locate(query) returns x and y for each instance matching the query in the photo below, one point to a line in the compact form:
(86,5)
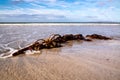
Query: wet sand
(97,60)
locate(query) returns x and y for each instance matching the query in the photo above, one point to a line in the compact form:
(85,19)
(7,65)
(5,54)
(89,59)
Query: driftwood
(56,40)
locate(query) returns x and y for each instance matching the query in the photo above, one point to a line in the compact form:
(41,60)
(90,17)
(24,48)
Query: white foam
(48,24)
(2,56)
(10,53)
(31,52)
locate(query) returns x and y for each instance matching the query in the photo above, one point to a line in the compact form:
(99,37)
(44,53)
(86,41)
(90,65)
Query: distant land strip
(60,23)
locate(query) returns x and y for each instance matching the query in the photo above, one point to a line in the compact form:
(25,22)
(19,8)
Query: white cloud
(52,1)
(95,14)
(110,13)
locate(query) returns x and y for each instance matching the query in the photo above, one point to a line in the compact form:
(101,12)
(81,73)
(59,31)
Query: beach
(76,60)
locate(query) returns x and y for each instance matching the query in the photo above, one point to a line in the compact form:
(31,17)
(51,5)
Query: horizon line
(60,22)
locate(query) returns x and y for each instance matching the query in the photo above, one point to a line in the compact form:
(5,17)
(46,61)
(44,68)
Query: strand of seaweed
(54,41)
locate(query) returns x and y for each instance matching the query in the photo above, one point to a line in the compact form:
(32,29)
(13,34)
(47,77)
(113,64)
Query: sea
(14,36)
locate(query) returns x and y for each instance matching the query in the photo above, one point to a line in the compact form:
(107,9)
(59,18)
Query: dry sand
(78,61)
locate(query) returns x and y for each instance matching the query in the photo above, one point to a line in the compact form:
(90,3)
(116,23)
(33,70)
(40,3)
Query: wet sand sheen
(78,61)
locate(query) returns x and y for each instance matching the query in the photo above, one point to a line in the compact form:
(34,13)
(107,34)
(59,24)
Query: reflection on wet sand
(75,61)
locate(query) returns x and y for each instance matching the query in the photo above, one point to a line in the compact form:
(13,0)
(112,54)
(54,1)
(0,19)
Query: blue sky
(59,10)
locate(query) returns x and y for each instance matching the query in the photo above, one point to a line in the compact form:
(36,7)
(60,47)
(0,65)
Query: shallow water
(16,36)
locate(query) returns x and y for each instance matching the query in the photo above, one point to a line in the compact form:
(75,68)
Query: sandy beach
(75,61)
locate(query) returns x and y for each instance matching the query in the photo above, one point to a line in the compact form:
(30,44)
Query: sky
(59,10)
